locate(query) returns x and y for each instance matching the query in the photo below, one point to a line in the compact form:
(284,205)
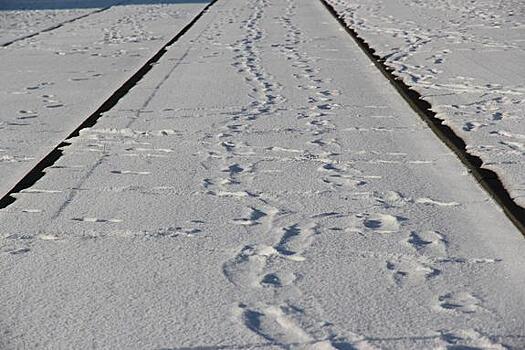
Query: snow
(263,186)
(15,25)
(58,78)
(465,58)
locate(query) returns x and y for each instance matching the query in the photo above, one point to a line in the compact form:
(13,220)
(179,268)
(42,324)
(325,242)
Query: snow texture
(17,24)
(55,80)
(466,59)
(263,187)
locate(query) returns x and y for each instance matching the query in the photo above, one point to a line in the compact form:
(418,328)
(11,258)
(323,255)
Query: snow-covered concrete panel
(53,81)
(466,59)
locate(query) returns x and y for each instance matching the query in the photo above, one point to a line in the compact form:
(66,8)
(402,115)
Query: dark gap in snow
(34,175)
(488,179)
(52,157)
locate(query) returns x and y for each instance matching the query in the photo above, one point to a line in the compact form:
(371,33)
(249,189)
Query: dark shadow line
(56,26)
(487,178)
(38,171)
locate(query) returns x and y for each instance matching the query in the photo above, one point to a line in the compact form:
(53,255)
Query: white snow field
(467,59)
(262,187)
(55,80)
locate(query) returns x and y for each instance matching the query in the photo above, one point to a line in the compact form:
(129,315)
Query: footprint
(27,114)
(327,106)
(275,280)
(142,149)
(329,92)
(329,167)
(318,123)
(13,159)
(228,145)
(246,267)
(96,220)
(284,149)
(429,201)
(130,172)
(296,240)
(39,86)
(32,211)
(234,169)
(253,218)
(428,242)
(48,237)
(282,325)
(459,302)
(17,124)
(507,134)
(473,126)
(233,194)
(392,199)
(497,116)
(405,270)
(173,231)
(27,117)
(467,339)
(18,251)
(338,181)
(517,147)
(272,280)
(383,223)
(276,324)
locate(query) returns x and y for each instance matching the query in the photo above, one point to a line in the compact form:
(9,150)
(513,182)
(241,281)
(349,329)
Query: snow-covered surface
(262,187)
(55,80)
(19,24)
(466,58)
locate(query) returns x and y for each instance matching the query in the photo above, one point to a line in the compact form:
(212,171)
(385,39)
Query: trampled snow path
(465,58)
(55,80)
(262,187)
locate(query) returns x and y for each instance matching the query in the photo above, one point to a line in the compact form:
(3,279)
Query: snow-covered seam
(38,171)
(488,179)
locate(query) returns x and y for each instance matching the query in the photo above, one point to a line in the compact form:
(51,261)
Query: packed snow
(262,187)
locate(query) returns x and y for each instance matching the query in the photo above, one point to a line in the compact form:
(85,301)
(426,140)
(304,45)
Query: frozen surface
(55,80)
(466,58)
(263,187)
